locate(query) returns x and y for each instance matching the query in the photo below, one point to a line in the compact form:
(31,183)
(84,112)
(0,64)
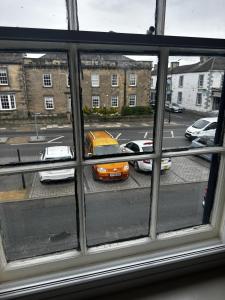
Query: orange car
(102,143)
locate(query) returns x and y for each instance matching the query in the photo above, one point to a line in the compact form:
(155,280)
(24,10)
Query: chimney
(174,64)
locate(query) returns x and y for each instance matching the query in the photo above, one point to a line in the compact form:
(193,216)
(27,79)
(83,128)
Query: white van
(200,126)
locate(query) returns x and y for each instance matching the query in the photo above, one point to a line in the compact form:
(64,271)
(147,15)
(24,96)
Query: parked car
(102,143)
(173,107)
(56,153)
(144,146)
(201,125)
(201,142)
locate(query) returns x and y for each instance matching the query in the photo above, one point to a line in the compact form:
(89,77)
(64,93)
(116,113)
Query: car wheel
(136,166)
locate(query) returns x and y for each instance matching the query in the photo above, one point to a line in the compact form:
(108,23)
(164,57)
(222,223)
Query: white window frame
(179,97)
(181,81)
(11,99)
(114,101)
(201,80)
(114,80)
(47,80)
(68,80)
(119,257)
(4,76)
(49,101)
(132,79)
(197,99)
(94,99)
(95,80)
(132,98)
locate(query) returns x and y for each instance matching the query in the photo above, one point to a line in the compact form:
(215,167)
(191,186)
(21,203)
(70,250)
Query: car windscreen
(174,104)
(106,150)
(200,124)
(58,158)
(147,149)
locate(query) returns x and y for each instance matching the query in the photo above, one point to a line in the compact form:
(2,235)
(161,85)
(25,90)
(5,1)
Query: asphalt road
(43,226)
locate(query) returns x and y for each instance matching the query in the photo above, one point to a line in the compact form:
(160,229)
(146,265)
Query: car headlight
(101,170)
(126,168)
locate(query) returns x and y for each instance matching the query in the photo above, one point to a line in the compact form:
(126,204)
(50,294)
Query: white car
(144,146)
(201,125)
(56,153)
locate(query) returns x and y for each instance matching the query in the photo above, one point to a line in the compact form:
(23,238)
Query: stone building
(41,85)
(13,100)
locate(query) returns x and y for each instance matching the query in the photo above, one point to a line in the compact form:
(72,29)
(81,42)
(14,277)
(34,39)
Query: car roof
(142,143)
(210,119)
(57,151)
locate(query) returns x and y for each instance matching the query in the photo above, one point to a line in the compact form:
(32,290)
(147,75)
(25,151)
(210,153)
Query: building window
(132,79)
(199,99)
(3,76)
(95,101)
(47,80)
(49,103)
(7,102)
(114,80)
(95,80)
(200,81)
(181,81)
(114,101)
(132,100)
(68,80)
(179,97)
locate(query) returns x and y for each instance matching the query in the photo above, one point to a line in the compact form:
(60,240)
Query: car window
(135,148)
(129,145)
(211,126)
(200,124)
(107,149)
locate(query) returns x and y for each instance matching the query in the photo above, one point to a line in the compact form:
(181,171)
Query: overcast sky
(204,18)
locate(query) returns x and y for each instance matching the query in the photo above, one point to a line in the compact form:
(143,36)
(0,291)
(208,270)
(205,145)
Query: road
(43,226)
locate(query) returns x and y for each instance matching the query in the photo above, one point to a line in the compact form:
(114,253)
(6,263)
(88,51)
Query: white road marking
(172,134)
(146,133)
(59,137)
(118,135)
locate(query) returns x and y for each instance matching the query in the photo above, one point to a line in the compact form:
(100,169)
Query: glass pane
(117,16)
(35,107)
(38,218)
(118,108)
(182,193)
(194,86)
(195,18)
(116,209)
(34,14)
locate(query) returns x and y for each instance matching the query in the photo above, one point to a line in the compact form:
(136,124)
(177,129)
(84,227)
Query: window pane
(35,14)
(182,193)
(35,113)
(197,99)
(195,18)
(98,15)
(116,209)
(37,218)
(122,112)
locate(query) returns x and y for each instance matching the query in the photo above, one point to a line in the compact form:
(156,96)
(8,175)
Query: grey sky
(183,17)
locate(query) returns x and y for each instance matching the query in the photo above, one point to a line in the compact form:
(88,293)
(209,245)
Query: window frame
(49,79)
(204,240)
(201,81)
(113,79)
(181,81)
(135,100)
(197,99)
(117,101)
(95,82)
(51,99)
(179,99)
(6,76)
(95,98)
(9,101)
(132,81)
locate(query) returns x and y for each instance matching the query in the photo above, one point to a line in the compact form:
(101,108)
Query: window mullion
(78,136)
(161,96)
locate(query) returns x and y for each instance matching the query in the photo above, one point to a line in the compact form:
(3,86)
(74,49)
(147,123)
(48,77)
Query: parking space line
(57,138)
(172,134)
(118,135)
(146,133)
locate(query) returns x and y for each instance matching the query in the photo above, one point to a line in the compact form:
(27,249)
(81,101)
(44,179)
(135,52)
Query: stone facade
(26,81)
